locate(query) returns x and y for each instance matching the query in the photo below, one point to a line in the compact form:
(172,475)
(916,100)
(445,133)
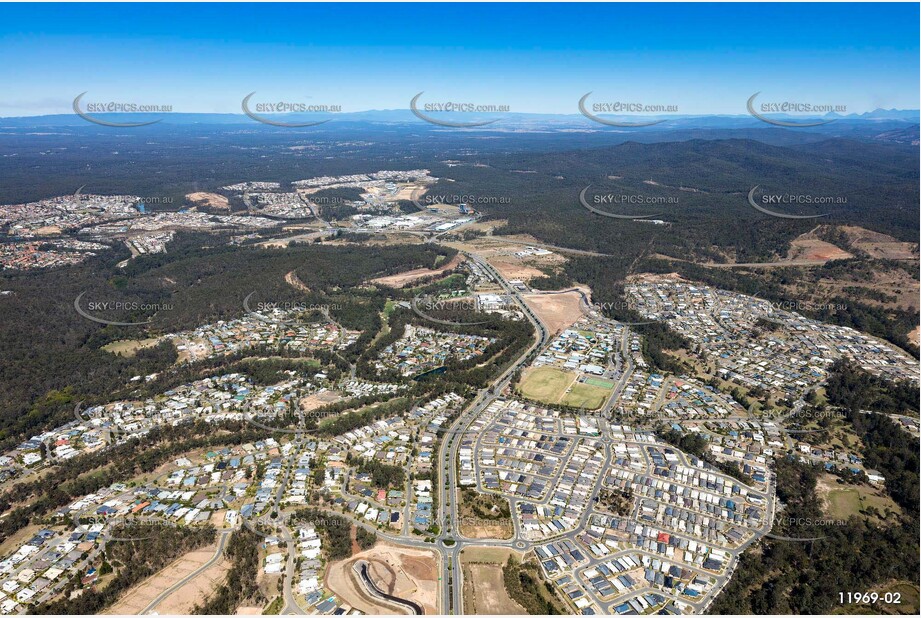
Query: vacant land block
(484,588)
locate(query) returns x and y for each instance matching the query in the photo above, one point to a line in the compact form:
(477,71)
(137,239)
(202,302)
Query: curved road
(222,541)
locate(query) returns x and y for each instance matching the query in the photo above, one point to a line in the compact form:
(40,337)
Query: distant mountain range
(884,119)
(882,114)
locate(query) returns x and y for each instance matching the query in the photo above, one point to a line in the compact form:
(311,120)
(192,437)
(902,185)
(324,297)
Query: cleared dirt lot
(808,248)
(501,255)
(400,571)
(19,537)
(473,528)
(484,590)
(557,311)
(130,347)
(318,400)
(880,245)
(411,191)
(402,279)
(294,281)
(888,286)
(498,244)
(805,250)
(488,595)
(500,252)
(211,200)
(515,269)
(183,599)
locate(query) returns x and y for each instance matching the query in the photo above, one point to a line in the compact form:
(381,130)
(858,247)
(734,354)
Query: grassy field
(586,396)
(843,501)
(545,384)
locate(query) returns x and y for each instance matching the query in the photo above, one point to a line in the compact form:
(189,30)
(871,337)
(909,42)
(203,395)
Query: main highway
(449,539)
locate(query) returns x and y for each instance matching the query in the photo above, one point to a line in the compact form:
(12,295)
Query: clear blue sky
(704,58)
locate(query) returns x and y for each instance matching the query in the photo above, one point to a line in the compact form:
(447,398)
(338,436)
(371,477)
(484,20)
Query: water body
(431,372)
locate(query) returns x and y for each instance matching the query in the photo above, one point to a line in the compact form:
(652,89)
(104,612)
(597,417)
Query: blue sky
(704,58)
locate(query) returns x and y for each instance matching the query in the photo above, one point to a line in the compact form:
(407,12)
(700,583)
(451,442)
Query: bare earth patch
(402,279)
(308,237)
(409,191)
(182,600)
(486,227)
(486,246)
(130,347)
(294,281)
(48,230)
(813,249)
(880,245)
(805,250)
(484,588)
(557,311)
(211,200)
(499,529)
(489,595)
(500,252)
(318,400)
(400,571)
(513,269)
(18,538)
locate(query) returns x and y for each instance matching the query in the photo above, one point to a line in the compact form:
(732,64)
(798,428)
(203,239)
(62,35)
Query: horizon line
(576,114)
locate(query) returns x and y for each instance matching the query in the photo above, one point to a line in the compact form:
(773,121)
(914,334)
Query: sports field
(551,385)
(586,396)
(546,384)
